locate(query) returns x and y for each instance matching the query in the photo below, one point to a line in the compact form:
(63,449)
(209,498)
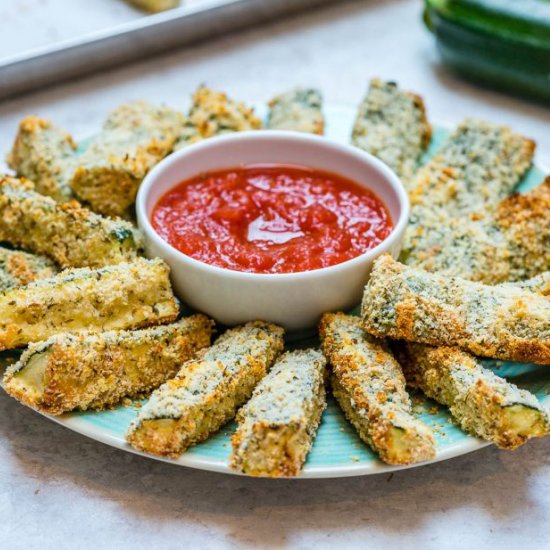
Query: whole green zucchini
(505,43)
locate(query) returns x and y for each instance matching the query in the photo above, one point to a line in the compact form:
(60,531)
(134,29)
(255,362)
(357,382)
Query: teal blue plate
(337,451)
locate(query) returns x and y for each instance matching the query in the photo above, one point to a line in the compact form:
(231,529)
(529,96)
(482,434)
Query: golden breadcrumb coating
(134,138)
(391,124)
(93,371)
(278,424)
(45,154)
(369,386)
(213,113)
(70,235)
(207,391)
(123,296)
(21,268)
(506,323)
(483,403)
(298,110)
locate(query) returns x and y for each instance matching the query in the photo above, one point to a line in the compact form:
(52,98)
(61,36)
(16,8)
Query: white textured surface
(59,490)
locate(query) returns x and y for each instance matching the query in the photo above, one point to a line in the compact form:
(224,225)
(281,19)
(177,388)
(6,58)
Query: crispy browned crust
(479,400)
(44,154)
(524,219)
(21,268)
(213,113)
(69,234)
(95,371)
(207,391)
(134,137)
(224,401)
(406,303)
(369,386)
(392,125)
(277,425)
(124,296)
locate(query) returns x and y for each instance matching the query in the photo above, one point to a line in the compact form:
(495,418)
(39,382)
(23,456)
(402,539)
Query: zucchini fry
(213,113)
(20,268)
(298,110)
(483,403)
(369,385)
(493,321)
(278,424)
(460,221)
(134,138)
(478,165)
(207,391)
(45,154)
(67,233)
(391,124)
(123,296)
(524,220)
(510,244)
(93,371)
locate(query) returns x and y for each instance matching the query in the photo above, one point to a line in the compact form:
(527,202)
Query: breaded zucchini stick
(134,138)
(122,296)
(69,234)
(478,165)
(20,268)
(458,223)
(278,424)
(391,124)
(207,391)
(298,110)
(510,244)
(368,384)
(524,220)
(483,403)
(492,321)
(45,154)
(93,371)
(213,113)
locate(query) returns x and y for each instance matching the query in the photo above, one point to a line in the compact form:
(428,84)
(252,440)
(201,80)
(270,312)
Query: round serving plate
(337,451)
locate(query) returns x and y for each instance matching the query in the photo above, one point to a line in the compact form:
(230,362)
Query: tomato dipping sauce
(271,218)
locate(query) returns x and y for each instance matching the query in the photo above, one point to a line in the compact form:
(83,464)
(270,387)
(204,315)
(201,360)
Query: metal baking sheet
(138,39)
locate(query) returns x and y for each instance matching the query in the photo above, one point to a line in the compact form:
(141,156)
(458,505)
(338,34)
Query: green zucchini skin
(487,54)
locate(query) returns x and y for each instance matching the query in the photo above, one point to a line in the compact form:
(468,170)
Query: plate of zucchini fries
(446,353)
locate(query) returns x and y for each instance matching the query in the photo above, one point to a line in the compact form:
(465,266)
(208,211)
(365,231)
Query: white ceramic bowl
(294,300)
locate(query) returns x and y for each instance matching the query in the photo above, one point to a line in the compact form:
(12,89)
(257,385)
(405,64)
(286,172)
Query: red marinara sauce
(271,218)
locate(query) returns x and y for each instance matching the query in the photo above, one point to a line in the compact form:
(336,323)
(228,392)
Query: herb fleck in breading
(213,113)
(458,223)
(483,403)
(134,138)
(478,165)
(21,268)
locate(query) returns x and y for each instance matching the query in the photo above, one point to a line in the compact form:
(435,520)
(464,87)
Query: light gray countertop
(60,490)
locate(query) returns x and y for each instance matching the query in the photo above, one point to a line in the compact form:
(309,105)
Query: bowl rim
(144,222)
